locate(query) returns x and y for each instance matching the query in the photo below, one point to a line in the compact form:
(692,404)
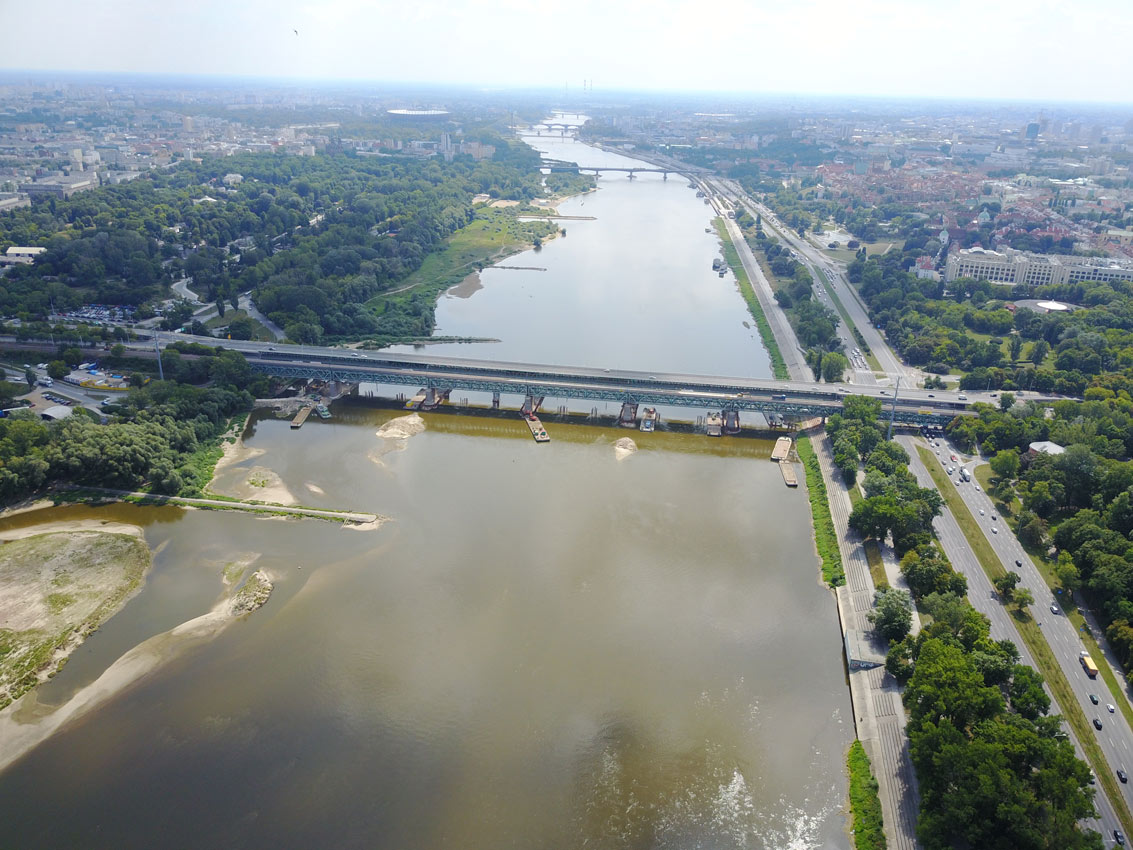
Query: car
(930,395)
(962,397)
(981,511)
(1097,723)
(1109,707)
(977,486)
(1018,563)
(994,517)
(1119,837)
(1093,780)
(953,458)
(355,354)
(950,470)
(271,348)
(994,530)
(1122,775)
(1054,610)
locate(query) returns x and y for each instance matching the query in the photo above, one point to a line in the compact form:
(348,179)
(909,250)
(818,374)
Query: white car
(1110,708)
(950,470)
(981,511)
(977,486)
(994,530)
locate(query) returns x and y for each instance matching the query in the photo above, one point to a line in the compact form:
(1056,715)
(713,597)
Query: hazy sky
(1037,49)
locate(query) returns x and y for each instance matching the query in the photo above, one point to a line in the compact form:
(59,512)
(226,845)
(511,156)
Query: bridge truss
(702,398)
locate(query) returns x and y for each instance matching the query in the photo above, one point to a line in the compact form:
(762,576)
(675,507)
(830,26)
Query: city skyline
(884,49)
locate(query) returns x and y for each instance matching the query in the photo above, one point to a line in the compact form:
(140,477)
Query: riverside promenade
(879,716)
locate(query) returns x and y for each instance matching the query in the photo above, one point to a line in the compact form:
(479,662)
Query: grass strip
(825,537)
(1036,642)
(864,802)
(732,257)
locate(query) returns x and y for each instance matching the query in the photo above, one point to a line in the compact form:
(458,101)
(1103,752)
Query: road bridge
(796,400)
(555,165)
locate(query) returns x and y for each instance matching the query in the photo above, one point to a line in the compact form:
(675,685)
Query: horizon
(886,49)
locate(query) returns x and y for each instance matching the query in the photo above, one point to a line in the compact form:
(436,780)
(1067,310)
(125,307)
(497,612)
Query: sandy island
(25,723)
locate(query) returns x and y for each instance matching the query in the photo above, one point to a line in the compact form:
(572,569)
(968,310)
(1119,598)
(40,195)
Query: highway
(832,271)
(1115,736)
(379,365)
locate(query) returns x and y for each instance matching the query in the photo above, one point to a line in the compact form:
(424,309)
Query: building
(13,201)
(60,187)
(1045,447)
(1015,267)
(20,256)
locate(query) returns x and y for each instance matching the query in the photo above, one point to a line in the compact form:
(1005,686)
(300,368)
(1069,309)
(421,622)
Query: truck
(1088,665)
(965,474)
(46,382)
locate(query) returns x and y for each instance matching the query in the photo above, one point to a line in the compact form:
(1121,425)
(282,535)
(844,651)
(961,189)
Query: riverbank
(25,723)
(766,335)
(493,235)
(59,582)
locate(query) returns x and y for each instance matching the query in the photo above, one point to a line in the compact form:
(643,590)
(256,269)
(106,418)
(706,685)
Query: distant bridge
(555,165)
(794,400)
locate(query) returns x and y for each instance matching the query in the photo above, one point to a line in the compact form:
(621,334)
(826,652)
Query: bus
(1089,666)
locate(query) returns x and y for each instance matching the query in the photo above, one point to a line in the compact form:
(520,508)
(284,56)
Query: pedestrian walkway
(879,716)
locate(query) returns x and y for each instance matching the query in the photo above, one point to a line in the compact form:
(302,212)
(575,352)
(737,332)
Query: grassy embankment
(492,235)
(732,257)
(825,537)
(58,589)
(1035,640)
(1068,602)
(864,802)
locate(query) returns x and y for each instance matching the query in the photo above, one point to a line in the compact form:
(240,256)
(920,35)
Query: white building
(1014,267)
(17,255)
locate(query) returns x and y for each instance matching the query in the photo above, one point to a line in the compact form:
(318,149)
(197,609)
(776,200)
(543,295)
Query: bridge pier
(495,401)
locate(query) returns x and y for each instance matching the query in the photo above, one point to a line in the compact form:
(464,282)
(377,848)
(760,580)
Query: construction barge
(782,449)
(301,416)
(537,430)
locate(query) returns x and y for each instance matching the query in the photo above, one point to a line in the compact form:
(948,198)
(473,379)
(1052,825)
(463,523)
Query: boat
(323,411)
(648,419)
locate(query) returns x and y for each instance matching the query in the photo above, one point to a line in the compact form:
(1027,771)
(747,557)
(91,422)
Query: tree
(1006,584)
(1015,347)
(833,366)
(1005,464)
(1039,351)
(1006,401)
(29,377)
(892,614)
(57,370)
(1023,598)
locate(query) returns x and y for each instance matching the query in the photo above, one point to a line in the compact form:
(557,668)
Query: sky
(1047,50)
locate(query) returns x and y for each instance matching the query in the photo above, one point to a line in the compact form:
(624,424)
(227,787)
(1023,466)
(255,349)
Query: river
(546,646)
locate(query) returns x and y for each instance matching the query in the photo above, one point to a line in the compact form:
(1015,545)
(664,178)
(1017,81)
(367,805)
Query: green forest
(312,238)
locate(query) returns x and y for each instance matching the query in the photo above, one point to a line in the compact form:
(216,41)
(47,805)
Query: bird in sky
(296,32)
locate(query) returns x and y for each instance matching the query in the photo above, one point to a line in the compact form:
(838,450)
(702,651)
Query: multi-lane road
(1115,737)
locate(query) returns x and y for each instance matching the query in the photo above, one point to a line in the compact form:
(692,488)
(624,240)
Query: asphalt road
(984,599)
(1115,737)
(833,271)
